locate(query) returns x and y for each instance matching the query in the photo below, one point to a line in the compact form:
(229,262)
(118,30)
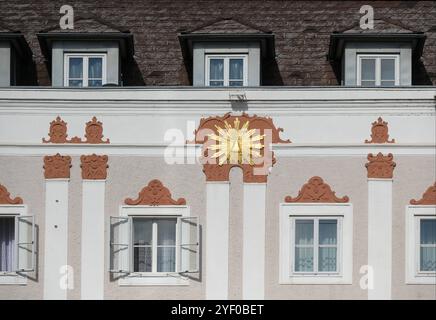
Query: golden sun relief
(234,145)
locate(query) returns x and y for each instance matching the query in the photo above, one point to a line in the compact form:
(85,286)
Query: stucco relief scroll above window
(5,197)
(428,198)
(154,194)
(316,190)
(237,141)
(380,132)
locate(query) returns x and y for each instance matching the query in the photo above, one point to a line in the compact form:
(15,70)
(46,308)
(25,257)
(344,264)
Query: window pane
(304,259)
(95,68)
(236,83)
(387,69)
(368,69)
(75,83)
(166,259)
(76,68)
(142,231)
(236,69)
(328,231)
(94,83)
(216,83)
(7,243)
(428,231)
(216,71)
(388,83)
(142,259)
(166,232)
(367,83)
(303,232)
(428,259)
(327,259)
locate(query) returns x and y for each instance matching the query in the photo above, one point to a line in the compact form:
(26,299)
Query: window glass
(142,244)
(304,245)
(428,244)
(75,72)
(216,72)
(328,231)
(327,241)
(387,72)
(368,72)
(236,72)
(7,243)
(95,72)
(166,252)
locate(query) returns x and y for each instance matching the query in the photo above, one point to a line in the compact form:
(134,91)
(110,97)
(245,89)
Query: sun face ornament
(235,145)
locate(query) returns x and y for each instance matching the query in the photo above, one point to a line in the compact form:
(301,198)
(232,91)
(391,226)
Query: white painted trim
(154,279)
(85,63)
(345,247)
(217,240)
(412,236)
(380,237)
(56,238)
(13,278)
(253,258)
(93,240)
(226,68)
(377,57)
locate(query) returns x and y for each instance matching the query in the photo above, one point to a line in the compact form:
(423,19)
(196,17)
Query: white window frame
(158,278)
(13,277)
(85,57)
(378,58)
(344,214)
(414,213)
(226,57)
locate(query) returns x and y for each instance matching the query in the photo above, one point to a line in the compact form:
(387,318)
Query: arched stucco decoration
(154,194)
(428,198)
(5,197)
(316,190)
(236,131)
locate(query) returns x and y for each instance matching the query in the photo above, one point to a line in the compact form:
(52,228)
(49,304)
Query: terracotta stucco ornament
(154,194)
(94,132)
(5,197)
(428,198)
(94,167)
(57,166)
(380,166)
(226,140)
(58,133)
(380,132)
(316,190)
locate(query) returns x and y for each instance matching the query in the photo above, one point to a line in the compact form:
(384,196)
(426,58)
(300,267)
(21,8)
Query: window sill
(12,278)
(320,279)
(422,279)
(153,280)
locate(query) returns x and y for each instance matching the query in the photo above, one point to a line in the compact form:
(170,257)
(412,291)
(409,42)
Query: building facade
(217,150)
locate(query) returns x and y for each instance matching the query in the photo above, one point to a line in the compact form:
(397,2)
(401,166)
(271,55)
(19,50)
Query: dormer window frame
(85,68)
(377,72)
(226,68)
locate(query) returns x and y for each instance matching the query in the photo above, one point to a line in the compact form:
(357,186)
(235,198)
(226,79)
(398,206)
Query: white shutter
(25,243)
(189,245)
(120,245)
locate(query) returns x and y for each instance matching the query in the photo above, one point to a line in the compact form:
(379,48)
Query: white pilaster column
(253,258)
(56,239)
(380,237)
(217,240)
(93,246)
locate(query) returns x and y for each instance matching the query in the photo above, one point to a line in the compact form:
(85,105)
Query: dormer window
(84,70)
(227,71)
(378,70)
(226,53)
(375,58)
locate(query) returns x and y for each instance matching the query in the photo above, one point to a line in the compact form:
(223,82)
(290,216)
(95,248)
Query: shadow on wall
(132,75)
(420,75)
(271,74)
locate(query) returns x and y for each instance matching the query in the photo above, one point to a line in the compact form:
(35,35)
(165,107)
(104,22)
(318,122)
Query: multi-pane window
(378,70)
(315,245)
(427,245)
(7,244)
(85,70)
(154,244)
(226,71)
